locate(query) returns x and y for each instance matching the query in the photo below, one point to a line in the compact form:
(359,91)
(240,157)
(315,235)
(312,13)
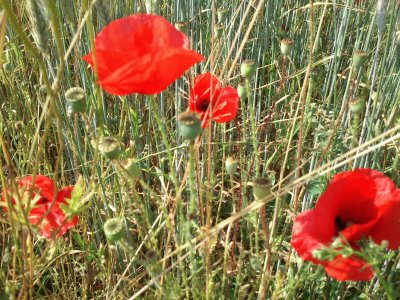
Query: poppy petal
(226,106)
(141,54)
(42,184)
(351,268)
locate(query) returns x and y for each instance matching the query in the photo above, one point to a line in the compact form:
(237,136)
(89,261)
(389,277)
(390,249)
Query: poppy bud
(76,100)
(131,168)
(359,58)
(221,15)
(218,30)
(189,125)
(261,188)
(356,105)
(109,148)
(242,91)
(286,46)
(182,27)
(231,165)
(248,68)
(114,229)
(153,6)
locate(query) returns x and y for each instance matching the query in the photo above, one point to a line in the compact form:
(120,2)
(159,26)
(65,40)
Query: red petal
(141,54)
(388,227)
(312,231)
(42,183)
(351,268)
(226,106)
(359,197)
(203,85)
(64,193)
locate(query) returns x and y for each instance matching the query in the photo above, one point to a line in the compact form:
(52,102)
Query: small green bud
(231,165)
(189,125)
(182,27)
(359,58)
(242,91)
(218,30)
(221,15)
(286,46)
(109,147)
(356,105)
(248,68)
(261,188)
(114,229)
(76,100)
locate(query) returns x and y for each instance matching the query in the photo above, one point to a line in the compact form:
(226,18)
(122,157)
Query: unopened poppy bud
(109,147)
(231,165)
(261,188)
(286,46)
(356,105)
(221,15)
(189,125)
(182,27)
(131,168)
(248,68)
(76,100)
(359,58)
(242,91)
(114,229)
(218,30)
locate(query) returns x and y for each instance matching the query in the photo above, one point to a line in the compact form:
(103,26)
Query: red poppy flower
(42,190)
(141,54)
(225,100)
(356,204)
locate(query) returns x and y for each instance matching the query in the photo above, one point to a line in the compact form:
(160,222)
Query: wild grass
(193,231)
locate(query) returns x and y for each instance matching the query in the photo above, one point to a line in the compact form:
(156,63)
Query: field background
(295,129)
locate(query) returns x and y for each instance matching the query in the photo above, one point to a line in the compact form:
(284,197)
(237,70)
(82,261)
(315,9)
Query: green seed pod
(76,100)
(242,91)
(109,147)
(359,58)
(182,27)
(218,30)
(189,125)
(131,168)
(114,229)
(356,105)
(248,68)
(221,15)
(286,46)
(261,188)
(231,165)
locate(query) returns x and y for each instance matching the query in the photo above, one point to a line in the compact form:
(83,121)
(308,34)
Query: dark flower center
(341,224)
(202,104)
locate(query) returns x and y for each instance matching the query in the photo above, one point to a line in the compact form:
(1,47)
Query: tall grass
(202,236)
